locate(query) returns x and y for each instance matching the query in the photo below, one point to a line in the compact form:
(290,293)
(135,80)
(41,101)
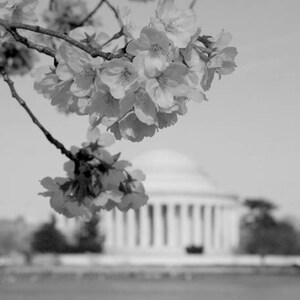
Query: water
(206,287)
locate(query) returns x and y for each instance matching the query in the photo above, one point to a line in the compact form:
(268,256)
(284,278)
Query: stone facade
(186,209)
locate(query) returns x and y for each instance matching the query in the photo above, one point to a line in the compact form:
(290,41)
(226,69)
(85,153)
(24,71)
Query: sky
(246,136)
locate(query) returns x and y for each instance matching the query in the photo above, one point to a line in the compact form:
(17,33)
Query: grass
(206,287)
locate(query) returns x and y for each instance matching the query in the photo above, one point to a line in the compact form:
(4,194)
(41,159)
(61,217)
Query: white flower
(135,199)
(130,30)
(143,106)
(119,75)
(169,83)
(131,128)
(179,25)
(221,60)
(103,107)
(80,68)
(105,197)
(223,56)
(152,46)
(88,35)
(56,194)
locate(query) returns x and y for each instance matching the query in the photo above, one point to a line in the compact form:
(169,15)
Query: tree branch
(192,5)
(21,39)
(114,37)
(91,13)
(91,50)
(34,119)
(115,11)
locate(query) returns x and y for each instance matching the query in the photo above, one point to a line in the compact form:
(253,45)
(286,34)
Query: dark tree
(263,234)
(88,237)
(48,239)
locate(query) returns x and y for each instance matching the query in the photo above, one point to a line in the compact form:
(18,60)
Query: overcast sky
(246,137)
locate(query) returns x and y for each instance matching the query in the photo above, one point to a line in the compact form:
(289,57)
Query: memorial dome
(168,171)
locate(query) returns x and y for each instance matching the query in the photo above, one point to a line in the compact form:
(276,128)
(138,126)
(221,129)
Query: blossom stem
(90,50)
(192,5)
(121,118)
(34,119)
(90,14)
(114,37)
(115,11)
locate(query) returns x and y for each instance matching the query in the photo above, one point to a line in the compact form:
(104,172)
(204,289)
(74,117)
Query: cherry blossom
(78,67)
(223,56)
(132,129)
(97,180)
(119,75)
(169,83)
(179,25)
(90,36)
(152,47)
(104,108)
(132,86)
(143,106)
(129,28)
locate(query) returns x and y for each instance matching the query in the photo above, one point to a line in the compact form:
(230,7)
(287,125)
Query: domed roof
(168,171)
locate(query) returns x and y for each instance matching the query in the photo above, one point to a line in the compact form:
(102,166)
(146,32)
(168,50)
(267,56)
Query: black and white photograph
(149,149)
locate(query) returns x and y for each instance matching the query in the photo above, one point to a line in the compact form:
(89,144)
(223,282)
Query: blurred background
(246,138)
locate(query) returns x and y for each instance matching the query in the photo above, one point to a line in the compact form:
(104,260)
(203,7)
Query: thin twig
(91,50)
(114,37)
(29,44)
(34,119)
(91,13)
(51,3)
(115,11)
(121,118)
(192,5)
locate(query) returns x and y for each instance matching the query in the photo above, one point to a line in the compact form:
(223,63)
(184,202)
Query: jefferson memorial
(186,209)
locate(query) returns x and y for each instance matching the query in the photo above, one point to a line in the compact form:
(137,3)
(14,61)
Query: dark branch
(114,37)
(21,39)
(192,5)
(34,119)
(91,50)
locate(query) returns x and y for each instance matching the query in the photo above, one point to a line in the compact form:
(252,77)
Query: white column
(207,228)
(119,228)
(225,229)
(109,229)
(235,227)
(131,228)
(171,226)
(217,227)
(144,227)
(184,220)
(197,230)
(229,227)
(158,225)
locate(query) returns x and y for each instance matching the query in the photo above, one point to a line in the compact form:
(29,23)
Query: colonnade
(161,227)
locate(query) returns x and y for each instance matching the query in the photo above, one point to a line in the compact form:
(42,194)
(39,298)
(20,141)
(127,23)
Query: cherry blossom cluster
(133,84)
(95,180)
(146,89)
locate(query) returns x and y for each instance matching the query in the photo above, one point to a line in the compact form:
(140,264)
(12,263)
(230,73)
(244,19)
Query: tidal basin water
(206,287)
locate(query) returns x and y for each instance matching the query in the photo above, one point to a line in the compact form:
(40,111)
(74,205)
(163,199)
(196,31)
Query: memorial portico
(185,208)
